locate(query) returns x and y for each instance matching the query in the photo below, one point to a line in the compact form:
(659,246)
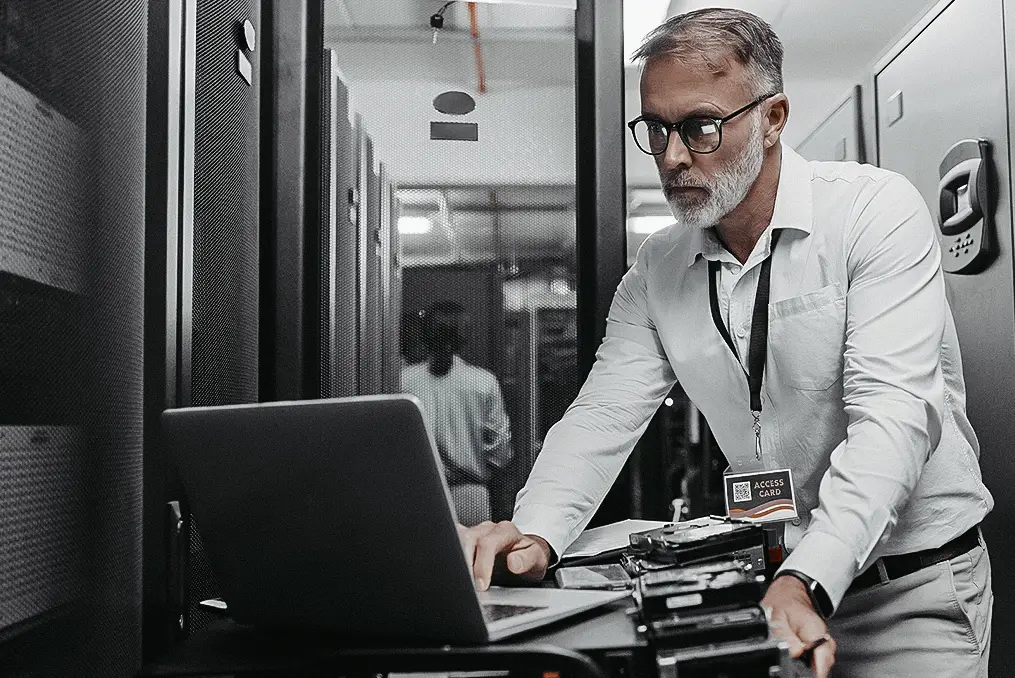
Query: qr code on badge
(742,491)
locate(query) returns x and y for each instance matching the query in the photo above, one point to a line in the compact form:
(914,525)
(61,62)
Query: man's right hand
(526,555)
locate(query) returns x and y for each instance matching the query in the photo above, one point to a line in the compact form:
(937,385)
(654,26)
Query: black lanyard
(758,349)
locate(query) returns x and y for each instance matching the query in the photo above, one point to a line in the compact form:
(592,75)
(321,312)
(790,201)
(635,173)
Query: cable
(437,19)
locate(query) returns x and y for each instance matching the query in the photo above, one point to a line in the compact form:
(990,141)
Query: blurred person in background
(465,410)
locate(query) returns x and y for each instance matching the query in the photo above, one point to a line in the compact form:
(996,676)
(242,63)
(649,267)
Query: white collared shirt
(466,414)
(863,397)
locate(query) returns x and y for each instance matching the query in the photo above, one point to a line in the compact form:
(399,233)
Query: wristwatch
(819,598)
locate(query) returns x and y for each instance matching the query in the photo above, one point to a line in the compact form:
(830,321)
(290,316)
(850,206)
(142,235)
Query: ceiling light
(646,196)
(639,19)
(650,224)
(560,286)
(414,225)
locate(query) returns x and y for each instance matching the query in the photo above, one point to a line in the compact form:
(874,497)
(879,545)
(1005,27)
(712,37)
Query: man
(862,394)
(464,406)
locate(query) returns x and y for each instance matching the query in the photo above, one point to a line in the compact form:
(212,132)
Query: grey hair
(713,37)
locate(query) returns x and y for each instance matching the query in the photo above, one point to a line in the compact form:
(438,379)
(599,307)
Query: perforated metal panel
(345,337)
(225,280)
(226,268)
(72,168)
(42,519)
(325,271)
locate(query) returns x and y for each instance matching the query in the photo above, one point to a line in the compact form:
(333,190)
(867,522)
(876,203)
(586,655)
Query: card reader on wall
(966,217)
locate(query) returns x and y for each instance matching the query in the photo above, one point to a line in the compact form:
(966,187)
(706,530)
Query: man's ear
(776,115)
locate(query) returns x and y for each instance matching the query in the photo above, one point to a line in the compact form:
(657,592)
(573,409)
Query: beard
(726,189)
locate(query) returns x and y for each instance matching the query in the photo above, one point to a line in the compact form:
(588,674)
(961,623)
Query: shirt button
(741,332)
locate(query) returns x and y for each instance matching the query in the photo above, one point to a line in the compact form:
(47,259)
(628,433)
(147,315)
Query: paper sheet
(608,537)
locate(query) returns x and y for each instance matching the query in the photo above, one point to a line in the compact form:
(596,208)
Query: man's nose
(676,157)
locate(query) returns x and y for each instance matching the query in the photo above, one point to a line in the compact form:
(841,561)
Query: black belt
(887,568)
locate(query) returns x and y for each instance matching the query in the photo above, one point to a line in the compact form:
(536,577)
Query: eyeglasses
(701,134)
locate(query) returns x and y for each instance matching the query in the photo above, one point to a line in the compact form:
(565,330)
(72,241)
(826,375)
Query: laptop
(334,516)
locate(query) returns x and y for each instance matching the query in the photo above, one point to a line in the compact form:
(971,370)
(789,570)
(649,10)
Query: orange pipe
(480,71)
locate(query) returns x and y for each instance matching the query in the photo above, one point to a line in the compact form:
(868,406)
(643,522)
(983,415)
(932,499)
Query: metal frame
(179,590)
(601,236)
(161,288)
(186,282)
(291,218)
(600,176)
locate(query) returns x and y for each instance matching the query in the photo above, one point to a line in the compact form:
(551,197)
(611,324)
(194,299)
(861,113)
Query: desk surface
(606,628)
(226,647)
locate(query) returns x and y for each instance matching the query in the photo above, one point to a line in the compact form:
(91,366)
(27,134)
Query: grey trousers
(934,623)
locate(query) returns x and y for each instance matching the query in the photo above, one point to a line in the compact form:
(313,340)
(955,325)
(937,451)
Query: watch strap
(819,598)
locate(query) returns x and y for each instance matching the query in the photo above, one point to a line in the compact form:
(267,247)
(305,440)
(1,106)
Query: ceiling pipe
(480,71)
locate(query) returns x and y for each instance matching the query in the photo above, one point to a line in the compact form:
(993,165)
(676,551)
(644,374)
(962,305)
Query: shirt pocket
(806,338)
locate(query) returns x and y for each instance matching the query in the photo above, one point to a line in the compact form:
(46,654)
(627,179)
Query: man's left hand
(794,620)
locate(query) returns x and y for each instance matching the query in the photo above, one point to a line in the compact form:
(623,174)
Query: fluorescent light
(640,17)
(649,224)
(646,196)
(414,225)
(560,286)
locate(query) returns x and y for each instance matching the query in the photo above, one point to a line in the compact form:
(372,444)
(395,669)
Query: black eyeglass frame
(679,127)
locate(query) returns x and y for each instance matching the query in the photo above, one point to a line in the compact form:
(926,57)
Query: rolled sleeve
(585,451)
(893,388)
(497,429)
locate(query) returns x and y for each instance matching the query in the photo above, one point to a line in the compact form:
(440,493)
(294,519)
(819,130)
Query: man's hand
(526,555)
(794,620)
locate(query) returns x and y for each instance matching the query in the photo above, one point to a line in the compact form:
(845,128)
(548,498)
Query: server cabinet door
(345,333)
(371,335)
(947,85)
(838,135)
(219,302)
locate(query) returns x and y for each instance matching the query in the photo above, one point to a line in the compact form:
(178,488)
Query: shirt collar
(794,207)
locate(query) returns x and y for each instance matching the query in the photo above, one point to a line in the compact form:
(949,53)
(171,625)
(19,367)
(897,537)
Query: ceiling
(498,17)
(826,38)
(829,45)
(391,40)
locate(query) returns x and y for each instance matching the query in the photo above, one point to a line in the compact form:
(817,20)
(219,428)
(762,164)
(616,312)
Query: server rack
(966,45)
(389,290)
(203,251)
(72,201)
(342,373)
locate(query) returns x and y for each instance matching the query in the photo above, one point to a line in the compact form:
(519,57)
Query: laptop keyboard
(495,612)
